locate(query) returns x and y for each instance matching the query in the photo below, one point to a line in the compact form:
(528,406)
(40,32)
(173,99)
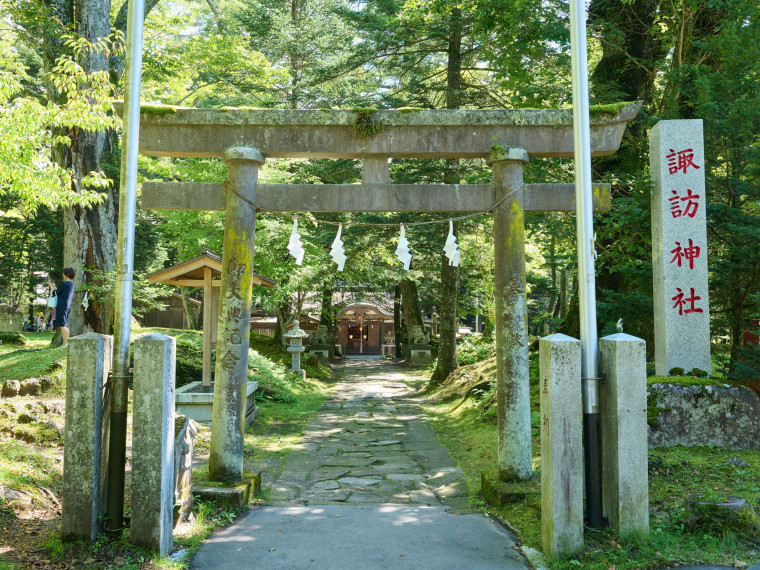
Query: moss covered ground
(462,412)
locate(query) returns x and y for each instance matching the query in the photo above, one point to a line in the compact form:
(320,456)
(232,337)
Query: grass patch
(26,468)
(32,361)
(462,413)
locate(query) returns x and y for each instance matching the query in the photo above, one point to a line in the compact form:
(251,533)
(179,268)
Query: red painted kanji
(689,253)
(681,160)
(677,209)
(688,301)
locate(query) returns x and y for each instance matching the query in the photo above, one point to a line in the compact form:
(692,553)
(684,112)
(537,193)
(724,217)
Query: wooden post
(207,302)
(512,385)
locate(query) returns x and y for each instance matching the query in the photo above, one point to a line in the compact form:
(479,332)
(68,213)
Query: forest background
(61,66)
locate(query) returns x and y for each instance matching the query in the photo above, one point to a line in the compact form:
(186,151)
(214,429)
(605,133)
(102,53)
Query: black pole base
(592,451)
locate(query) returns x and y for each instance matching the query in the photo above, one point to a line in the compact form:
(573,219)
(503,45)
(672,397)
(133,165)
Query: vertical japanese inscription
(679,243)
(234,301)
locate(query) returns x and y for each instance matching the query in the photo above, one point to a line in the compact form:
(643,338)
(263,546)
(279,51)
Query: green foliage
(474,348)
(677,371)
(364,124)
(697,373)
(31,131)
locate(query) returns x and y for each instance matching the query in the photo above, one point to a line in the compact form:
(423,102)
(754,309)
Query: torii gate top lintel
(302,133)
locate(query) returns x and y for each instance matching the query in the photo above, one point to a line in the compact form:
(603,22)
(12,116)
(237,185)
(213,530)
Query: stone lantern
(295,336)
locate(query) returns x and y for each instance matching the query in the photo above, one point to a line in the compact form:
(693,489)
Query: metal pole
(124,267)
(586,278)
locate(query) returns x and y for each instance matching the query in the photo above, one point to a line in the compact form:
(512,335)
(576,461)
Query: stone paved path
(370,444)
(368,487)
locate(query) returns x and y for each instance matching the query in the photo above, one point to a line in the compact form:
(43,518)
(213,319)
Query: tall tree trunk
(89,233)
(399,331)
(447,345)
(410,303)
(192,318)
(327,318)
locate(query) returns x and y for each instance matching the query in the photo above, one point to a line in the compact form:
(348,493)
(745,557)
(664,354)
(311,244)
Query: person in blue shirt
(65,294)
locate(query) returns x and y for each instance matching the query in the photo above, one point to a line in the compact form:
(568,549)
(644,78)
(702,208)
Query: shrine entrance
(362,328)
(243,138)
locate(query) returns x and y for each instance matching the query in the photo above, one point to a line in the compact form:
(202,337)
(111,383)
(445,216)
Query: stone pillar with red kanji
(679,246)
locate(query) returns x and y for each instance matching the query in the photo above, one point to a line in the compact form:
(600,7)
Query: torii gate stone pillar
(227,421)
(512,376)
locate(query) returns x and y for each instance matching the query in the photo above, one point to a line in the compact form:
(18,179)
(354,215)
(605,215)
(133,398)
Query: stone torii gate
(243,138)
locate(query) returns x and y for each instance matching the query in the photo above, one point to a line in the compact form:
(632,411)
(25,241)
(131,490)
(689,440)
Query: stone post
(153,443)
(512,387)
(227,423)
(561,445)
(625,484)
(85,455)
(679,247)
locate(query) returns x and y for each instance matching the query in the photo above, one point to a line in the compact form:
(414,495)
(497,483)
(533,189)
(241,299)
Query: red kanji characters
(681,160)
(680,302)
(691,206)
(688,253)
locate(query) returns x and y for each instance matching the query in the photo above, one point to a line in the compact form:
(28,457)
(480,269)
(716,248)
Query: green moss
(654,409)
(609,110)
(364,124)
(685,381)
(13,338)
(407,110)
(498,152)
(157,110)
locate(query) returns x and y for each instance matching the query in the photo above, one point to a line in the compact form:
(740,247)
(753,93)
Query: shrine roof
(192,270)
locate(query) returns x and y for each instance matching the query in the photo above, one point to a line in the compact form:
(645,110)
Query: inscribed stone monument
(679,246)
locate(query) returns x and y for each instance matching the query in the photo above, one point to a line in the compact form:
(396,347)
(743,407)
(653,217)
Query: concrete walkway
(369,487)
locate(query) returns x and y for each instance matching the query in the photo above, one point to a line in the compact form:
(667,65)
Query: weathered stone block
(561,445)
(623,410)
(85,456)
(679,246)
(719,415)
(420,354)
(498,493)
(153,442)
(29,387)
(233,495)
(11,388)
(732,513)
(193,402)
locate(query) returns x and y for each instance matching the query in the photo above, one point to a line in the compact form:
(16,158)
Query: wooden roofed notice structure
(203,271)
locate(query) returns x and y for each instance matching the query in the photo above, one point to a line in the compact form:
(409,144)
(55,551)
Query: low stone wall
(719,415)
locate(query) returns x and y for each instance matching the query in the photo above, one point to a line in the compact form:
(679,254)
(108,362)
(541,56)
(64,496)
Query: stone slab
(234,496)
(153,442)
(85,455)
(679,246)
(561,445)
(623,411)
